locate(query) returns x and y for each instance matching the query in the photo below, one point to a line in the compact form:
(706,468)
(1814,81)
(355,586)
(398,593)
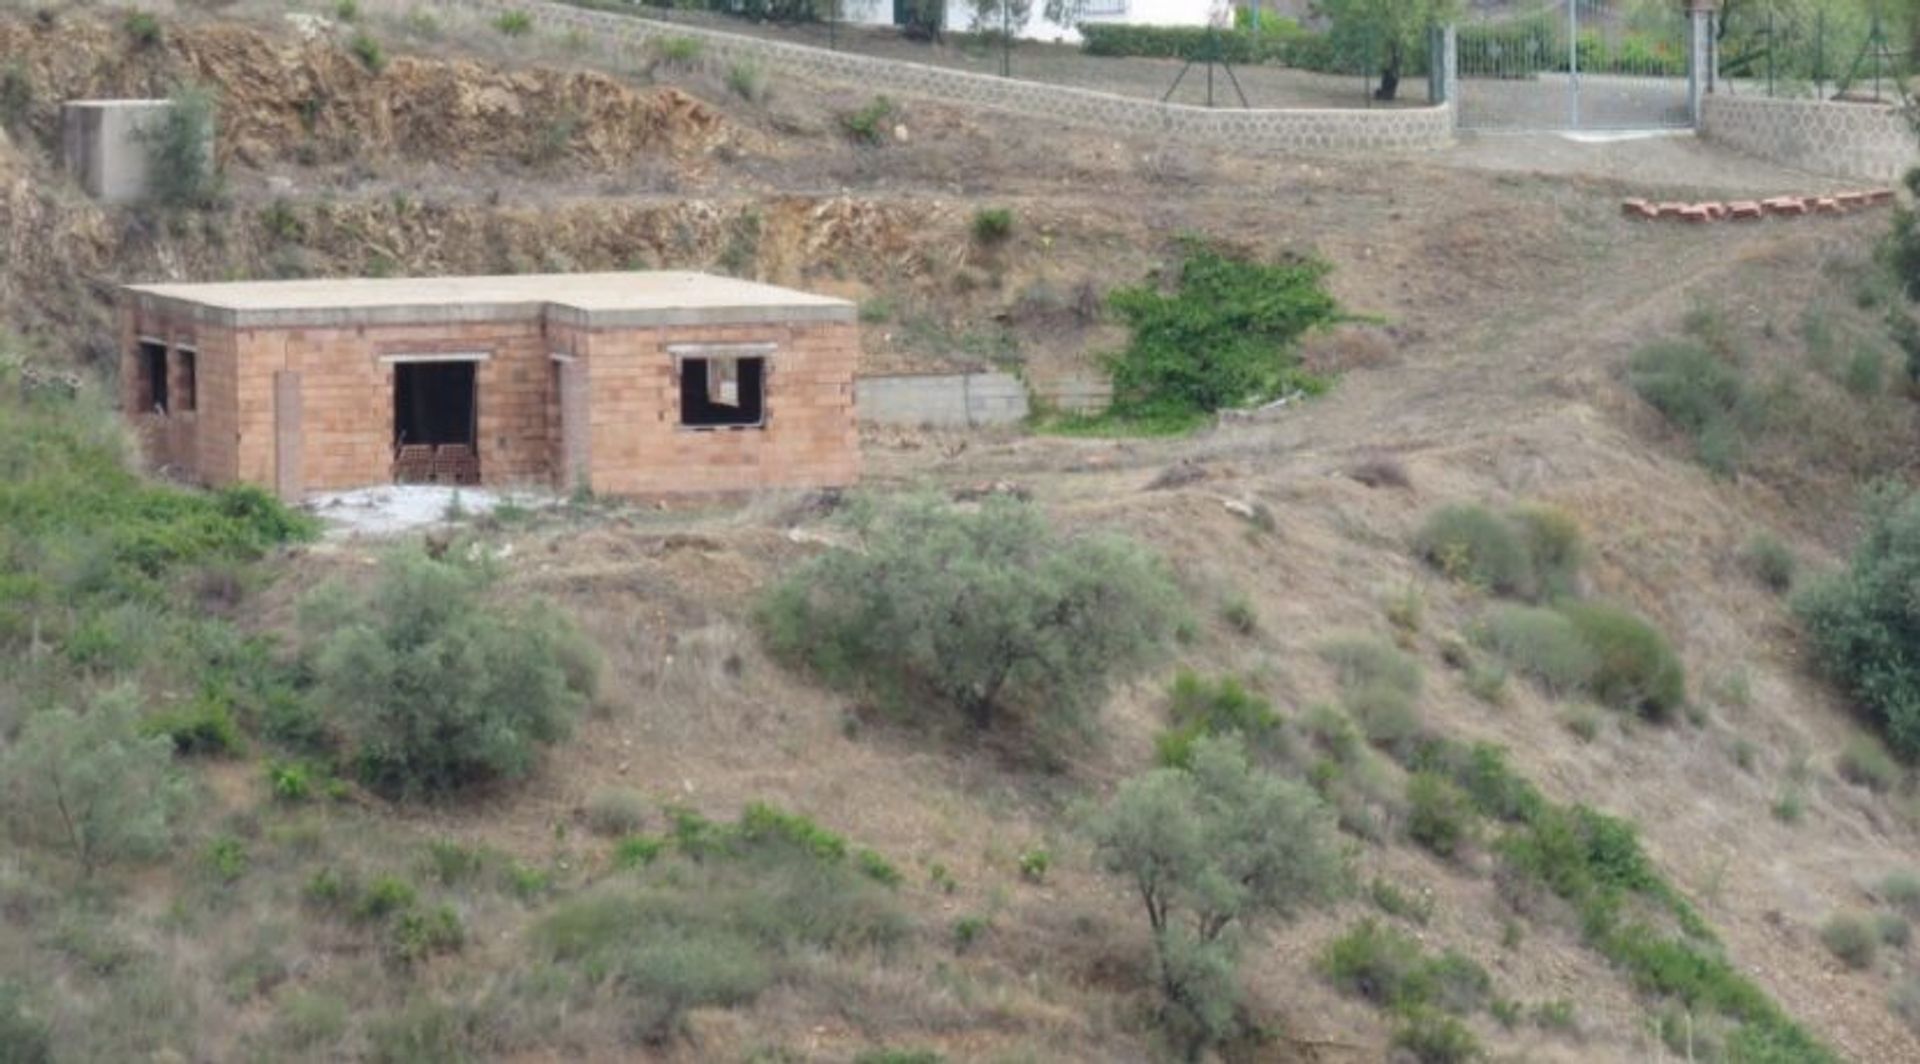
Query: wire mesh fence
(1794,48)
(1576,64)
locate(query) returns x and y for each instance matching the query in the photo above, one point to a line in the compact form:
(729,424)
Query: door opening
(434,423)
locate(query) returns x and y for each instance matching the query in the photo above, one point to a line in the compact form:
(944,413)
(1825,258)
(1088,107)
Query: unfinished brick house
(627,383)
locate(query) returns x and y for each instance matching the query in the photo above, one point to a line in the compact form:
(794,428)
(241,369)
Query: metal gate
(1576,64)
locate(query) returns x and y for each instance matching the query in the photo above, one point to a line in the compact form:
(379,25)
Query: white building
(963,14)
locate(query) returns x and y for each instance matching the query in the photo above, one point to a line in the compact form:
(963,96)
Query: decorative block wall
(1868,142)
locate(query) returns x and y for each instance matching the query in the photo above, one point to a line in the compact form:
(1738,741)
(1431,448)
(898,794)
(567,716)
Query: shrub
(451,863)
(1221,707)
(226,859)
(417,935)
(986,612)
(1637,669)
(1240,615)
(1902,891)
(1417,907)
(201,727)
(366,48)
(91,785)
(881,871)
(289,781)
(1698,392)
(992,225)
(681,935)
(386,896)
(616,812)
(1866,762)
(24,1038)
(513,23)
(437,689)
(1851,937)
(1034,865)
(1555,547)
(1379,964)
(1433,1038)
(1903,999)
(143,29)
(1439,814)
(346,10)
(638,851)
(1770,561)
(1864,624)
(1474,545)
(968,930)
(747,81)
(1893,929)
(180,157)
(1176,835)
(679,51)
(1223,337)
(1542,645)
(868,125)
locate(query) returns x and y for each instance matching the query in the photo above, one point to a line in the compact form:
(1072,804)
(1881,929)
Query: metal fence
(1251,67)
(1788,48)
(1576,64)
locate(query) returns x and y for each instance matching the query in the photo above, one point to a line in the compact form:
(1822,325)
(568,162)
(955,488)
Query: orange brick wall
(632,442)
(637,446)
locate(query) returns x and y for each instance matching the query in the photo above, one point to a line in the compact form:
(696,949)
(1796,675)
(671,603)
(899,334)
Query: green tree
(181,146)
(438,688)
(91,784)
(1208,849)
(982,610)
(1386,32)
(1864,622)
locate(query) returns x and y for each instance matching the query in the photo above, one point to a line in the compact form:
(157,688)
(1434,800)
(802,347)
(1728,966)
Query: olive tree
(1384,32)
(1208,849)
(438,687)
(985,611)
(1864,622)
(91,784)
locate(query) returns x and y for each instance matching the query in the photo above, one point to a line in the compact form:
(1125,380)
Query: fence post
(1699,55)
(1450,67)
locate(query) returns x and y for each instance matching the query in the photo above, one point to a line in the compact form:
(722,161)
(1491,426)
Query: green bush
(681,934)
(180,159)
(679,51)
(985,612)
(1541,644)
(366,48)
(1034,864)
(992,225)
(1440,816)
(1434,1038)
(91,785)
(1770,561)
(417,935)
(204,726)
(1902,891)
(1637,670)
(1864,623)
(1555,547)
(1866,762)
(24,1038)
(437,688)
(1893,929)
(1851,937)
(1699,392)
(346,10)
(513,23)
(387,895)
(1280,40)
(868,125)
(143,29)
(1177,835)
(1378,964)
(1904,1000)
(638,851)
(1476,546)
(616,812)
(1223,337)
(1200,708)
(747,81)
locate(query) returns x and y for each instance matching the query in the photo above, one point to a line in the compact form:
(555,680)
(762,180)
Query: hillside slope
(1512,304)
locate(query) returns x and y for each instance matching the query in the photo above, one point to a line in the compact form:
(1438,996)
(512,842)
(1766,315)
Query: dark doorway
(433,403)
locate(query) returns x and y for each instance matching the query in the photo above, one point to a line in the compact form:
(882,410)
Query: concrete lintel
(680,351)
(770,314)
(437,356)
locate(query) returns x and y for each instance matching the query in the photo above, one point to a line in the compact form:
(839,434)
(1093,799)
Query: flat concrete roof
(629,300)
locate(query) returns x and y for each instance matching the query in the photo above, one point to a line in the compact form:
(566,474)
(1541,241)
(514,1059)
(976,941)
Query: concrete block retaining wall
(950,400)
(1868,142)
(1304,129)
